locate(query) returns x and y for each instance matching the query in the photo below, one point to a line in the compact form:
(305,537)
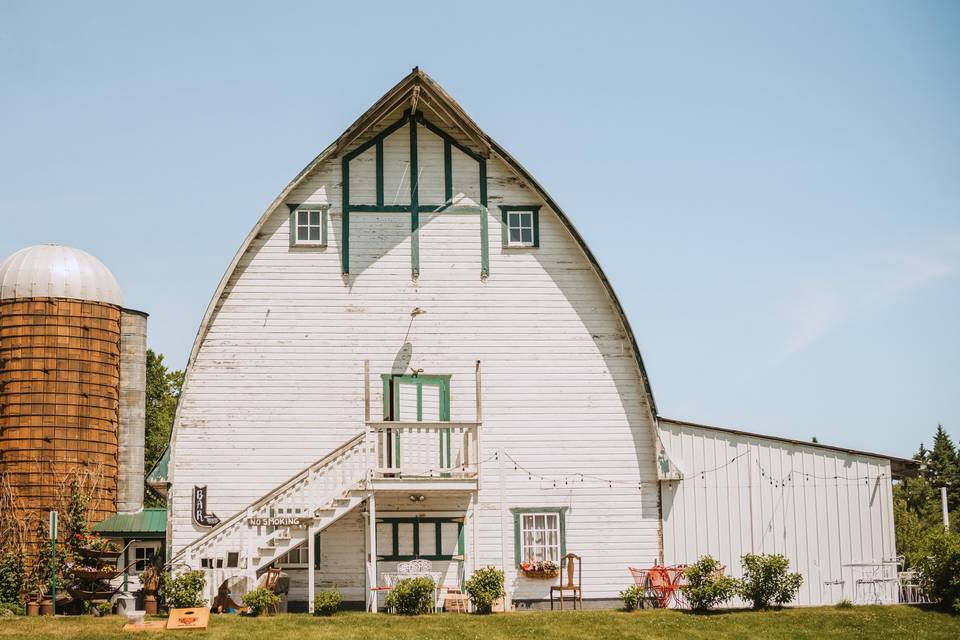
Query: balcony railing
(425,449)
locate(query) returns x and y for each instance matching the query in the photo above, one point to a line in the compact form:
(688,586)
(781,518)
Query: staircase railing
(306,492)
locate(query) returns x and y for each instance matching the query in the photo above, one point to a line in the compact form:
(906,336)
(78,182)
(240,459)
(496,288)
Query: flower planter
(542,575)
(102,555)
(95,574)
(91,594)
(46,608)
(33,608)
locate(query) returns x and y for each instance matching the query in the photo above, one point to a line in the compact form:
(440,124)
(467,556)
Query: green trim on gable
(447,171)
(518,511)
(483,182)
(484,244)
(404,119)
(413,120)
(414,202)
(447,137)
(379,172)
(345,217)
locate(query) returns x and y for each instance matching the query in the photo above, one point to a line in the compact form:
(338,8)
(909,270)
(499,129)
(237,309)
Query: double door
(417,451)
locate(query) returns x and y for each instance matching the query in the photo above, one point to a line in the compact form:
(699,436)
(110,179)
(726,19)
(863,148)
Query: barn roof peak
(417,91)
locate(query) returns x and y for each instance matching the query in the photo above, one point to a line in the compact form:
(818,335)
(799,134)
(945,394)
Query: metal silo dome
(56,271)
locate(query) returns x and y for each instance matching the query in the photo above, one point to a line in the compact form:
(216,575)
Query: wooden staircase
(283,519)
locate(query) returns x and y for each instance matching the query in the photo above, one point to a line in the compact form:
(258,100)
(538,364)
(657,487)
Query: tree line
(917,500)
(163,392)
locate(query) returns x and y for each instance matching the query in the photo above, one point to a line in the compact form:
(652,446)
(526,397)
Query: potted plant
(91,571)
(540,569)
(46,603)
(150,577)
(95,546)
(33,605)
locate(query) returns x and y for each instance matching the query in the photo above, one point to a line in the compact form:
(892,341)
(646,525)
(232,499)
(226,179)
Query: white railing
(424,449)
(386,450)
(307,492)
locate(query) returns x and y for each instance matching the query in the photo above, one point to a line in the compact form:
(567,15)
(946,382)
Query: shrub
(411,596)
(632,596)
(844,604)
(707,585)
(326,603)
(10,609)
(766,581)
(184,591)
(12,576)
(260,600)
(103,608)
(938,571)
(485,587)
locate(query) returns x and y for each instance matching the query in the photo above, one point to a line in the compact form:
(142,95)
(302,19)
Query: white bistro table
(873,576)
(413,569)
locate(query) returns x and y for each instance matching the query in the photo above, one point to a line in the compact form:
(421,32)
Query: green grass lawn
(824,622)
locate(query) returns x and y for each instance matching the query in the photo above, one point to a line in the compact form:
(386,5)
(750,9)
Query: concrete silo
(72,381)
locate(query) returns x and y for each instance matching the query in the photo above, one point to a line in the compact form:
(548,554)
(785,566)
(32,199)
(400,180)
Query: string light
(553,480)
(782,482)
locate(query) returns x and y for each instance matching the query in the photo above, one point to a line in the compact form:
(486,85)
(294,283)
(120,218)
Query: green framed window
(400,539)
(520,225)
(308,225)
(539,533)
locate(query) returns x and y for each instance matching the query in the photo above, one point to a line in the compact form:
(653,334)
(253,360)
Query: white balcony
(423,453)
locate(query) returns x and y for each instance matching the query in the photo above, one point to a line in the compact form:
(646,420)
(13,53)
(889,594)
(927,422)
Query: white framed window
(295,558)
(143,556)
(142,553)
(521,225)
(520,228)
(541,536)
(308,225)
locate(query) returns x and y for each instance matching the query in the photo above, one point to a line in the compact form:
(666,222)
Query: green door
(422,398)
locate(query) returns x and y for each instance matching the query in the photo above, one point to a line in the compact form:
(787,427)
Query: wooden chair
(271,580)
(566,571)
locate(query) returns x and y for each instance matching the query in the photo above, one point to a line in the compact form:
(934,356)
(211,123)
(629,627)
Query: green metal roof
(159,473)
(149,523)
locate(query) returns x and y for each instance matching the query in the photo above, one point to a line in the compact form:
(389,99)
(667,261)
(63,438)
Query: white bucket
(136,617)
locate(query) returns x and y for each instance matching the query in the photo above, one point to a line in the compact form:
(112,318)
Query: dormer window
(308,225)
(521,225)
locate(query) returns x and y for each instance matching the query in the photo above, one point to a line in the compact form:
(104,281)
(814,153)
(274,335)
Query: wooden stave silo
(59,402)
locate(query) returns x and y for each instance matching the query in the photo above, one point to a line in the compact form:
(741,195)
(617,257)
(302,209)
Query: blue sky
(774,191)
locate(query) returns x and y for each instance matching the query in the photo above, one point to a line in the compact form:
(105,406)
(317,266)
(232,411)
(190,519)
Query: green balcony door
(422,398)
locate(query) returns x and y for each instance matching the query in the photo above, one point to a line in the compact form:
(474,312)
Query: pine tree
(943,467)
(917,509)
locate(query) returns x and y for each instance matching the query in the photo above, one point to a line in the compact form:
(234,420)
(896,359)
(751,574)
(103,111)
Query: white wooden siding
(277,381)
(820,508)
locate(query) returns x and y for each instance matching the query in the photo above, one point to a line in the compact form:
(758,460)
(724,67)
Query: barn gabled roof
(418,90)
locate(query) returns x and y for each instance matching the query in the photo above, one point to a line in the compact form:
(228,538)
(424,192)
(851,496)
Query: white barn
(415,355)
